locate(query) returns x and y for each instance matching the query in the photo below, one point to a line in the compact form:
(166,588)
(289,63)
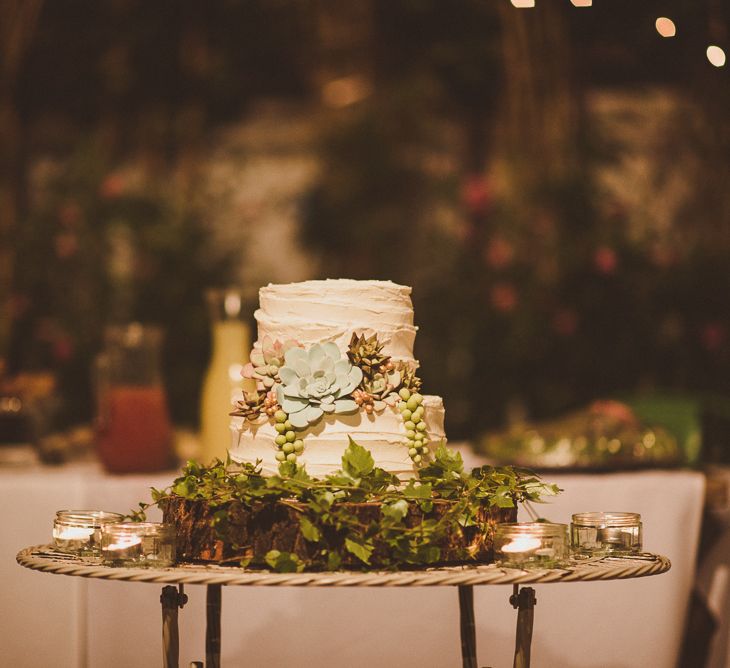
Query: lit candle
(73,533)
(521,544)
(125,548)
(138,544)
(531,544)
(78,531)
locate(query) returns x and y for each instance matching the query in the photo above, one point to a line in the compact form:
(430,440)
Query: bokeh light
(665,27)
(522,4)
(716,56)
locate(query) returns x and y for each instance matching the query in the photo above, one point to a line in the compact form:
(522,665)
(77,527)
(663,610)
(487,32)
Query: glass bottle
(134,432)
(231,342)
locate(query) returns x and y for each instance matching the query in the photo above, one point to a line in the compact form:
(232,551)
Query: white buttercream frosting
(330,311)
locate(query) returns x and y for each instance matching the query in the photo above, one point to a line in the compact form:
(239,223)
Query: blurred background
(552,181)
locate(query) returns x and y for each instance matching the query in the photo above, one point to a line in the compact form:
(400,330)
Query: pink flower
(62,349)
(499,253)
(614,410)
(605,260)
(565,322)
(113,186)
(70,214)
(475,193)
(663,256)
(503,297)
(66,245)
(713,336)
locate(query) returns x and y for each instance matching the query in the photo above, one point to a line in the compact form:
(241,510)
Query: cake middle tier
(383,434)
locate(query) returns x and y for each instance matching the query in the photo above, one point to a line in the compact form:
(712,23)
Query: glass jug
(134,432)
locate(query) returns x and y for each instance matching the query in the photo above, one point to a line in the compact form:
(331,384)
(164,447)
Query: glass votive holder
(599,534)
(150,544)
(79,531)
(531,545)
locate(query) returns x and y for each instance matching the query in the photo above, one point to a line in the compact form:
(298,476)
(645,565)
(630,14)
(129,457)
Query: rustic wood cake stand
(45,558)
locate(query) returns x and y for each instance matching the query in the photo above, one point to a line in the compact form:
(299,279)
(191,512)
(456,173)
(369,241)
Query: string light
(523,4)
(716,55)
(665,27)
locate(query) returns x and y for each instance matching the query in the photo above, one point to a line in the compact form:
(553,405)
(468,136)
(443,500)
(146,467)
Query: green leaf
(417,490)
(309,530)
(396,510)
(220,517)
(428,554)
(363,550)
(450,460)
(185,488)
(334,561)
(357,461)
(284,562)
(287,469)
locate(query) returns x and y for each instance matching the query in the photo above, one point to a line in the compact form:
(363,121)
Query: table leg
(171,599)
(213,626)
(468,630)
(524,600)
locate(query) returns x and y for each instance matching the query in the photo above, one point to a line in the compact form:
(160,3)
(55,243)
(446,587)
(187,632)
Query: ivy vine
(327,519)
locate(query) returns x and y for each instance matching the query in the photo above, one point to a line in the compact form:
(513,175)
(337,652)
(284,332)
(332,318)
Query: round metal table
(45,558)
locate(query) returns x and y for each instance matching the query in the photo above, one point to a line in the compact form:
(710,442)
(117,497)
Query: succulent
(251,406)
(378,391)
(367,354)
(408,377)
(266,361)
(315,382)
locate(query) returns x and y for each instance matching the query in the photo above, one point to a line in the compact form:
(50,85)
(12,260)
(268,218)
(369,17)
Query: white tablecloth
(61,621)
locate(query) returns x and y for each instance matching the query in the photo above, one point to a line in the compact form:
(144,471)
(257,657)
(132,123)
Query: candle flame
(124,543)
(73,533)
(521,544)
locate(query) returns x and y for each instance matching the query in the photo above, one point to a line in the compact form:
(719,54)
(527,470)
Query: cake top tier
(331,310)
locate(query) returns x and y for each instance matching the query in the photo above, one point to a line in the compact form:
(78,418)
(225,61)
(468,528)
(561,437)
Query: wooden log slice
(230,532)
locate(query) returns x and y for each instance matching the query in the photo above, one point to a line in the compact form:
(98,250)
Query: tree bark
(251,532)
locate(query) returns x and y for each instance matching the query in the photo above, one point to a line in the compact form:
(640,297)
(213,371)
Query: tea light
(597,534)
(79,531)
(531,544)
(138,544)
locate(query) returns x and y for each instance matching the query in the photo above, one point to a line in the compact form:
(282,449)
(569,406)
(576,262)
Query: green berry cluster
(288,445)
(411,410)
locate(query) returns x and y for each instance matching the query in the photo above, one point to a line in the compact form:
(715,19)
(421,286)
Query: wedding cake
(338,459)
(334,361)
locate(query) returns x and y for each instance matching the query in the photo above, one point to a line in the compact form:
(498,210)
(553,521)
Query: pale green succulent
(315,382)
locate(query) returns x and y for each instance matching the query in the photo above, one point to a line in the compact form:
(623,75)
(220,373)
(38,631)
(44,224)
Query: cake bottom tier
(232,532)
